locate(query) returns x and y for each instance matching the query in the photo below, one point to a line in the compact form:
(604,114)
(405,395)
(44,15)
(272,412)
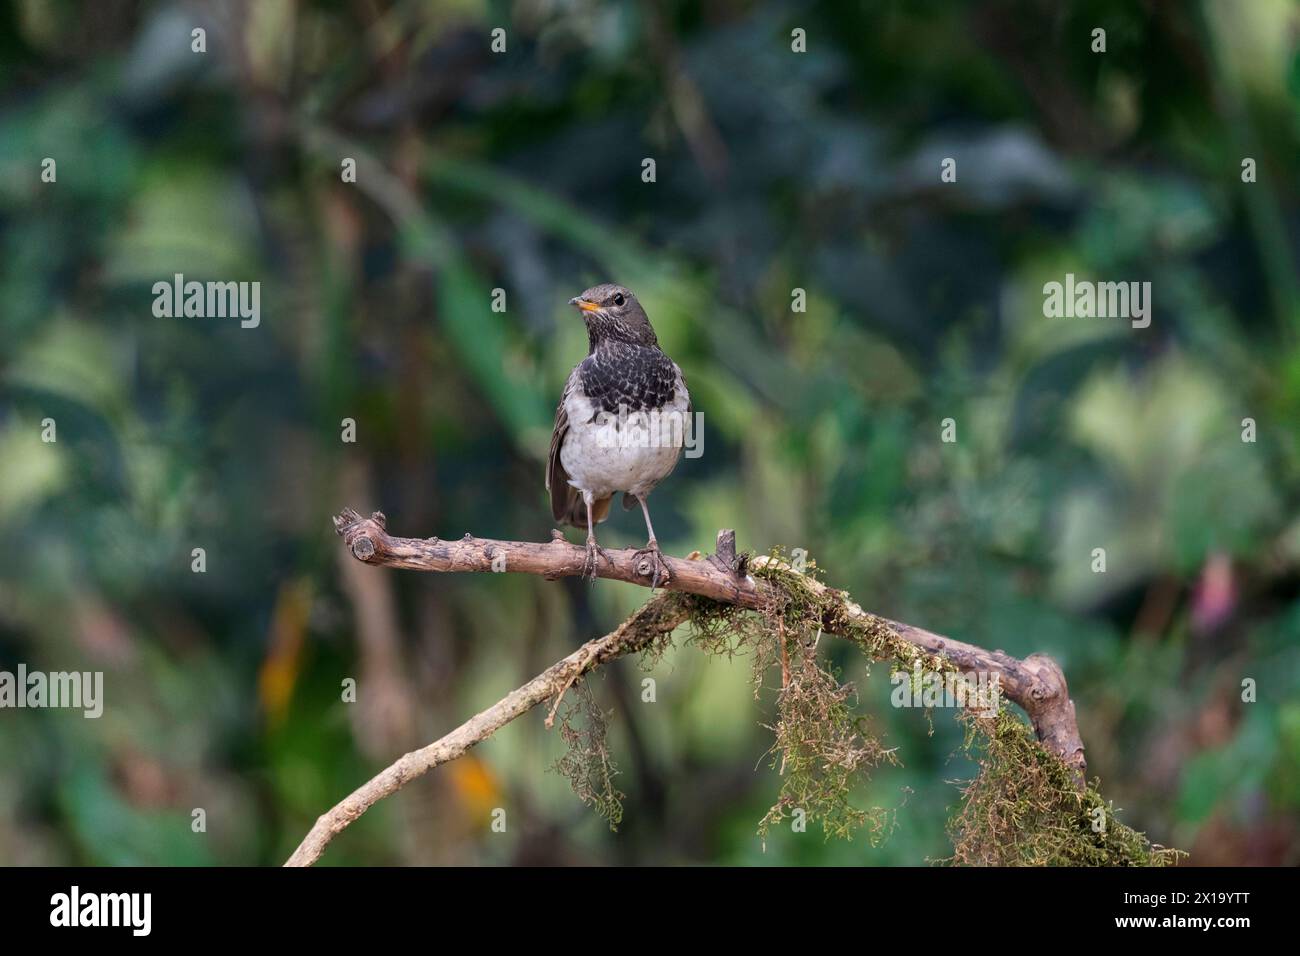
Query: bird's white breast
(606,452)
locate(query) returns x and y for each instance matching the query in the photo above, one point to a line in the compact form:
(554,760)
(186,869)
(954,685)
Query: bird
(620,425)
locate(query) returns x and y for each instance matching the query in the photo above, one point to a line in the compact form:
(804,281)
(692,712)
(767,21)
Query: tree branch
(1036,683)
(659,616)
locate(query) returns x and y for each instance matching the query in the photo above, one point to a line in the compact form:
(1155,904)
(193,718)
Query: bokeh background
(522,171)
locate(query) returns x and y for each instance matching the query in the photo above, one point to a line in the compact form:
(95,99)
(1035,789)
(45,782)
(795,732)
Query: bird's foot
(650,563)
(594,552)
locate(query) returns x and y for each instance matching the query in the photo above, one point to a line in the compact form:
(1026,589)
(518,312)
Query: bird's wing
(567,505)
(557,479)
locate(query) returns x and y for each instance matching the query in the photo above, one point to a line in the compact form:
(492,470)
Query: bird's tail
(576,514)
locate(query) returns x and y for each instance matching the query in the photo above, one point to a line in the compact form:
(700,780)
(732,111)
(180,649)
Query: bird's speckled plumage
(626,374)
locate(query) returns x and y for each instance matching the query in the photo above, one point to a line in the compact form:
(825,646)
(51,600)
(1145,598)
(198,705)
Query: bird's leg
(658,567)
(593,549)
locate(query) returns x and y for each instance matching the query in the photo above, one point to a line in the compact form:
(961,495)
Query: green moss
(1023,809)
(586,761)
(821,746)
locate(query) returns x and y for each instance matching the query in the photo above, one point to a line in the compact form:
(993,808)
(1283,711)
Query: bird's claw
(650,563)
(593,551)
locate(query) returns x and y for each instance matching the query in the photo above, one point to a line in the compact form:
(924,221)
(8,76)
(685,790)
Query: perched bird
(621,422)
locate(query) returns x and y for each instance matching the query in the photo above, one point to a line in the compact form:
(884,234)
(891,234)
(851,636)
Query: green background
(521,170)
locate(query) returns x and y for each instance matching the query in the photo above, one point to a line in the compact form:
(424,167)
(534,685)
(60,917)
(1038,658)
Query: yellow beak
(584,305)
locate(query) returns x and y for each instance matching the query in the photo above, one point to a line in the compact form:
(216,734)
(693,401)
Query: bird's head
(612,313)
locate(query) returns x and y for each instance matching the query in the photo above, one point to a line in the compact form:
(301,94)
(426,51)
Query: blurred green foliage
(775,170)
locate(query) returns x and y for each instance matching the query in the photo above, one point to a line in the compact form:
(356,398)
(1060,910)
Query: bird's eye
(618,299)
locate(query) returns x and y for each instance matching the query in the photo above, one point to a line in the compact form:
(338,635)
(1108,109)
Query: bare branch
(659,616)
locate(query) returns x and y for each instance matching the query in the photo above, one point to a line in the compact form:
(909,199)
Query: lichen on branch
(1024,807)
(587,763)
